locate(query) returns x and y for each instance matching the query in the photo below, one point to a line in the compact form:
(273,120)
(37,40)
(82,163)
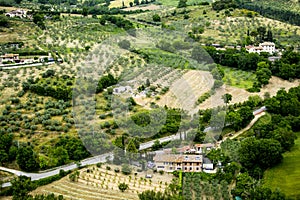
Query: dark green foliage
(48,73)
(249,188)
(59,87)
(285,103)
(3,21)
(38,19)
(227,98)
(156,18)
(263,153)
(5,145)
(105,82)
(7,2)
(272,12)
(224,4)
(85,11)
(21,187)
(182,4)
(236,59)
(118,21)
(123,187)
(74,147)
(27,159)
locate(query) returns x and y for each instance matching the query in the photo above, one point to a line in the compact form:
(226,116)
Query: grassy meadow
(286,176)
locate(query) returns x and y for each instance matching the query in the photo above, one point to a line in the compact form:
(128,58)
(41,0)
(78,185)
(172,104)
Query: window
(197,168)
(185,168)
(160,166)
(191,168)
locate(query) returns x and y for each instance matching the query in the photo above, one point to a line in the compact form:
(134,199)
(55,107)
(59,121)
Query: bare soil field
(147,7)
(240,95)
(185,91)
(100,183)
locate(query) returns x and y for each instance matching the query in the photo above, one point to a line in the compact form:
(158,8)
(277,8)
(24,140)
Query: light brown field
(147,7)
(103,184)
(241,95)
(185,91)
(118,3)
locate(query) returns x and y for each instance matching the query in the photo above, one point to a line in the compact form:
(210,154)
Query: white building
(268,47)
(122,89)
(17,13)
(9,58)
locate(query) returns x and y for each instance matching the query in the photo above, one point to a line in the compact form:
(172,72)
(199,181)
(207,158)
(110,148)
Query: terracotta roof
(204,145)
(177,158)
(167,158)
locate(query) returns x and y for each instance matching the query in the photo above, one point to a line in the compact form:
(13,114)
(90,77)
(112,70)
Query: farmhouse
(9,58)
(187,159)
(268,47)
(172,162)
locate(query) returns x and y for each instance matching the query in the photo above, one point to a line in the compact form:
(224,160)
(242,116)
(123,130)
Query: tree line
(272,12)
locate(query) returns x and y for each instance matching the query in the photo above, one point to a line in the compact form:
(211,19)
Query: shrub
(161,172)
(99,165)
(117,170)
(108,167)
(123,187)
(126,169)
(156,18)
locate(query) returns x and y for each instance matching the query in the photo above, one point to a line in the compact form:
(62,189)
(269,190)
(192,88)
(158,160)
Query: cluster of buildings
(268,47)
(186,159)
(9,59)
(18,13)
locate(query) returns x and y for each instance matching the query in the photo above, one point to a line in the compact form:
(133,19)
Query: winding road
(103,157)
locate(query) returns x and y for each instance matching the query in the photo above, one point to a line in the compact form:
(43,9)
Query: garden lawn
(286,175)
(238,78)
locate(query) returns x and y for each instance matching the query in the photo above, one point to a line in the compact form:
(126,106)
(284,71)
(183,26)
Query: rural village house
(187,159)
(268,47)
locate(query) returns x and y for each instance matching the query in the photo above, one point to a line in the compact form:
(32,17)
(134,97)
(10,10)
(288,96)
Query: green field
(286,176)
(238,78)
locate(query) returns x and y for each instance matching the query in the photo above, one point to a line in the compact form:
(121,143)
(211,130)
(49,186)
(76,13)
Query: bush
(161,172)
(99,165)
(117,170)
(124,44)
(123,187)
(108,167)
(126,169)
(156,18)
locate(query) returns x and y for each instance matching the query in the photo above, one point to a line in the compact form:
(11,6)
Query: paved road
(102,158)
(52,172)
(29,65)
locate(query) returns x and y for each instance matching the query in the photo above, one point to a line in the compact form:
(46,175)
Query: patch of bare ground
(100,183)
(148,7)
(185,91)
(241,95)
